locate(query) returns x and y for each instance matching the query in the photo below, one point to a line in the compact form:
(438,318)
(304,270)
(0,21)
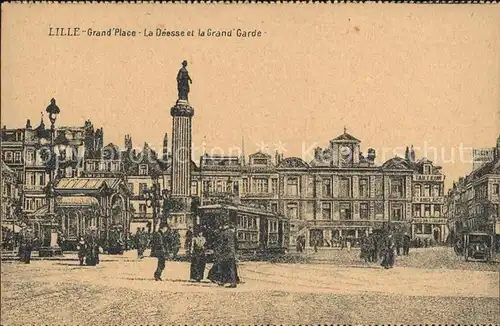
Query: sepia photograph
(250,163)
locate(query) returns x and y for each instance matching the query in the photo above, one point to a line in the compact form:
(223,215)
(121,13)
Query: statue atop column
(183,81)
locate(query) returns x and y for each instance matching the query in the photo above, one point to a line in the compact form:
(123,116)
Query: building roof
(345,137)
(293,162)
(87,183)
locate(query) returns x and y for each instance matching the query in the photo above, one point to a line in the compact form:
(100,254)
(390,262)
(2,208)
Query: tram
(260,234)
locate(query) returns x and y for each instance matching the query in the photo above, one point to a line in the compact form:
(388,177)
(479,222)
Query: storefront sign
(428,177)
(430,200)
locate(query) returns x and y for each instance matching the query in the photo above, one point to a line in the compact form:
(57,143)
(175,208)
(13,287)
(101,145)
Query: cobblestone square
(333,288)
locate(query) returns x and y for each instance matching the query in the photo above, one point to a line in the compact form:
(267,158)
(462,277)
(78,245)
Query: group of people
(224,270)
(386,246)
(143,241)
(89,249)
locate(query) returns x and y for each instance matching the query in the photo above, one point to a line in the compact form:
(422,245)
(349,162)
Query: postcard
(250,163)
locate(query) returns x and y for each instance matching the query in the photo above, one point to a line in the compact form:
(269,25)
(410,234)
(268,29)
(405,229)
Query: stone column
(181,113)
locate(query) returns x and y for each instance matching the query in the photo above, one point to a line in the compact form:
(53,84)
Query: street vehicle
(259,233)
(477,246)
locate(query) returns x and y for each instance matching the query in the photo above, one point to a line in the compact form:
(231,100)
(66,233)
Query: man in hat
(159,247)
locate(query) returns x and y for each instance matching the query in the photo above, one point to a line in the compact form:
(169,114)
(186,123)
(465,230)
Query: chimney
(412,154)
(28,124)
(407,154)
(318,154)
(371,155)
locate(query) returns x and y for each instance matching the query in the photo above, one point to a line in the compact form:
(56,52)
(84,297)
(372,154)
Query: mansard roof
(293,162)
(260,154)
(397,163)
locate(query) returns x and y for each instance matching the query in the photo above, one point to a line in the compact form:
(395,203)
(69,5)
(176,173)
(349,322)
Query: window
(397,212)
(427,229)
(274,207)
(142,209)
(437,211)
(417,209)
(260,161)
(417,190)
(326,210)
(28,204)
(496,189)
(8,156)
(345,187)
(32,178)
(245,185)
(207,186)
(436,191)
(364,212)
(345,211)
(260,185)
(142,187)
(17,157)
(292,211)
(379,210)
(219,186)
(143,169)
(41,179)
(194,188)
(273,226)
(30,157)
(274,186)
(396,188)
(427,190)
(363,188)
(292,186)
(327,187)
(131,187)
(427,210)
(379,186)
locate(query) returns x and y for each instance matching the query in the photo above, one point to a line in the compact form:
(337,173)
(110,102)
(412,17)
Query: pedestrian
(215,273)
(316,245)
(139,242)
(175,243)
(27,246)
(198,260)
(189,241)
(406,244)
(82,248)
(348,243)
(398,245)
(92,252)
(389,254)
(228,257)
(341,239)
(159,247)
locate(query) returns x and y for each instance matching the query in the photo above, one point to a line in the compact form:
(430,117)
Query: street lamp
(51,248)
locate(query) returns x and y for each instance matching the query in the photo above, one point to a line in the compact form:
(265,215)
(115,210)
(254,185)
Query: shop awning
(76,201)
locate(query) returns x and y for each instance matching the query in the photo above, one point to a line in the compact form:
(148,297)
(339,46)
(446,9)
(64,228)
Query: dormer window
(427,169)
(143,169)
(260,161)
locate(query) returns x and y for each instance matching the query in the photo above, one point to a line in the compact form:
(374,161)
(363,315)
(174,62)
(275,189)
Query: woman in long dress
(198,260)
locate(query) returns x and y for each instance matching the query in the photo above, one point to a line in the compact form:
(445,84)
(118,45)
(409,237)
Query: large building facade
(473,202)
(340,193)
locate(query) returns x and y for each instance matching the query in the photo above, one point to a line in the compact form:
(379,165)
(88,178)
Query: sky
(392,75)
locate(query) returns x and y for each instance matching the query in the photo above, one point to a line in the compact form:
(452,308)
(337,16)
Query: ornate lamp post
(50,247)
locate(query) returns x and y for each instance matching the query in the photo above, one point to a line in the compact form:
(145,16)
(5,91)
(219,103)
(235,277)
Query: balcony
(430,220)
(257,194)
(34,188)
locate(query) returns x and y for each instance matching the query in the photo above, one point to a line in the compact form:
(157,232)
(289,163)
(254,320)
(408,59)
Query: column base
(50,252)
